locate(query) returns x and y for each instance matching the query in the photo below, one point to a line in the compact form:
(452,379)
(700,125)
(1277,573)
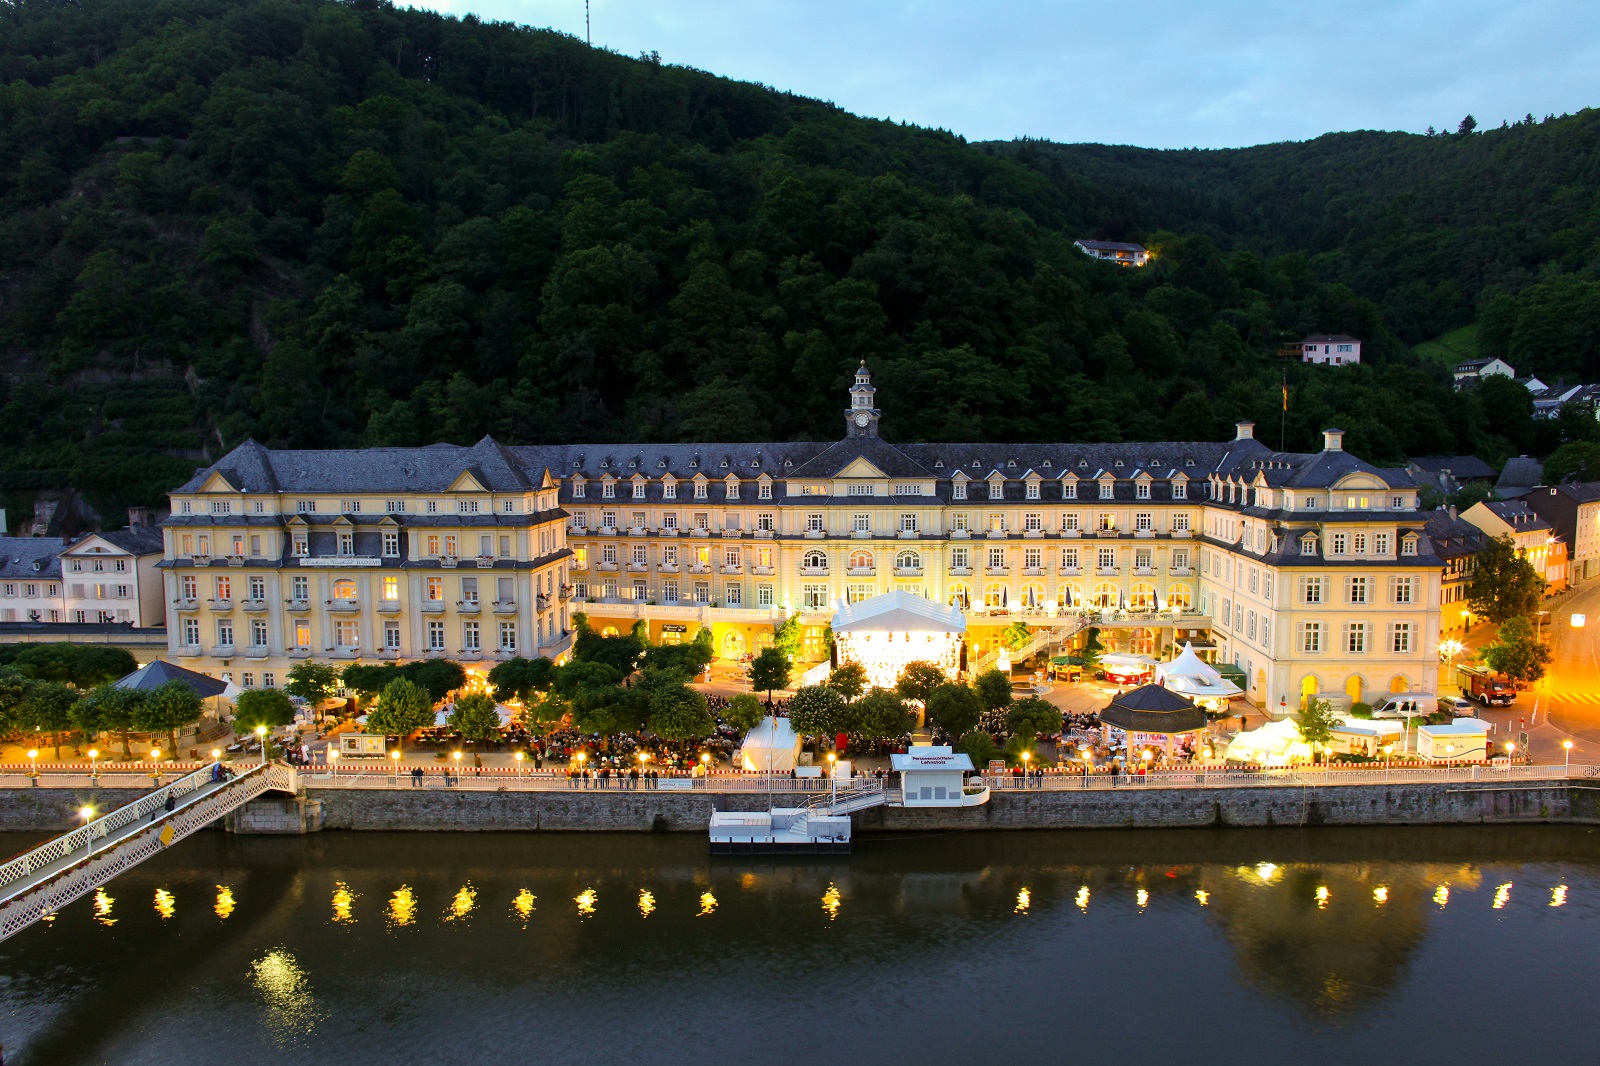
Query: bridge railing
(80,838)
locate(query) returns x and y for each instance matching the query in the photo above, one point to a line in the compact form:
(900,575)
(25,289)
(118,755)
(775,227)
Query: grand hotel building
(1310,572)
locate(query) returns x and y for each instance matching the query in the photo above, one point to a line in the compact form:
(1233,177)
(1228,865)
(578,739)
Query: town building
(1118,252)
(1448,474)
(1532,535)
(1457,543)
(1307,572)
(1469,372)
(1330,349)
(1518,476)
(1573,512)
(114,577)
(30,579)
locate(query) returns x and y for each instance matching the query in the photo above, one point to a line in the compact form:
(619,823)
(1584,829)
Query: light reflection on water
(1318,939)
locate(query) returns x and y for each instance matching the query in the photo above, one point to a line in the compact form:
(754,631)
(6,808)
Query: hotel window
(1108,520)
(1145,521)
(1180,522)
(258,588)
(1311,637)
(764,490)
(764,522)
(1266,585)
(347,543)
(730,556)
(391,544)
(1397,502)
(1032,558)
(485,546)
(813,523)
(225,632)
(1180,490)
(669,490)
(764,557)
(669,592)
(702,521)
(224,588)
(185,507)
(580,590)
(732,491)
(700,490)
(702,592)
(306,506)
(391,636)
(435,590)
(1033,521)
(638,490)
(997,558)
(958,490)
(1032,491)
(1107,559)
(579,490)
(732,596)
(1400,638)
(961,522)
(1408,546)
(191,632)
(391,589)
(190,587)
(470,638)
(436,636)
(608,490)
(508,636)
(1355,637)
(221,507)
(1401,589)
(640,554)
(1255,579)
(269,680)
(997,490)
(1141,490)
(1069,520)
(861,523)
(1250,625)
(1069,558)
(302,545)
(764,596)
(608,553)
(608,520)
(908,523)
(1380,544)
(1311,590)
(300,588)
(1359,543)
(669,555)
(258,632)
(1357,590)
(450,545)
(1180,559)
(302,634)
(1069,490)
(1107,490)
(1338,544)
(997,522)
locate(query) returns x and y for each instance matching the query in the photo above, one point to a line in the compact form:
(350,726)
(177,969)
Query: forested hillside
(332,224)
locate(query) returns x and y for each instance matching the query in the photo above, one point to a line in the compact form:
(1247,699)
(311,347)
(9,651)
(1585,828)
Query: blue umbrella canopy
(158,673)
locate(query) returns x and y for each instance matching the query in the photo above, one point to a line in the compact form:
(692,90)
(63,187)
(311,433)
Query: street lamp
(1388,750)
(1511,749)
(155,766)
(94,772)
(394,761)
(519,756)
(87,814)
(1567,744)
(261,735)
(216,754)
(333,761)
(33,766)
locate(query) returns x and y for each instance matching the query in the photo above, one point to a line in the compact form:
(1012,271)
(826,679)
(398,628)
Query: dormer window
(1046,464)
(1083,462)
(700,490)
(1107,490)
(1408,544)
(997,490)
(608,489)
(1117,463)
(1308,544)
(1141,490)
(938,464)
(669,490)
(1180,490)
(638,490)
(1011,463)
(958,490)
(1032,489)
(733,489)
(1069,490)
(579,490)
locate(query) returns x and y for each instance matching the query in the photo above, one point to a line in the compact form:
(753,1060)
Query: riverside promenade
(494,800)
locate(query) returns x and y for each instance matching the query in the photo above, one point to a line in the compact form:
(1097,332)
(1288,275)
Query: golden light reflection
(402,909)
(708,904)
(1083,899)
(224,905)
(102,907)
(1502,895)
(1380,895)
(1558,896)
(1441,896)
(747,881)
(1142,897)
(1024,900)
(1203,896)
(166,906)
(47,917)
(523,905)
(286,990)
(462,903)
(831,901)
(1266,870)
(1322,897)
(647,903)
(586,901)
(342,899)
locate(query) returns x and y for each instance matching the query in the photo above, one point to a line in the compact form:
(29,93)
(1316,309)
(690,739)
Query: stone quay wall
(442,810)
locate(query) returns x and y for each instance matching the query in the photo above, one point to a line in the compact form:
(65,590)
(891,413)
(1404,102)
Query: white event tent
(886,632)
(1274,744)
(1198,680)
(772,746)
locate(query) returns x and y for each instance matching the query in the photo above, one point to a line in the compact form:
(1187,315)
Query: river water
(1315,946)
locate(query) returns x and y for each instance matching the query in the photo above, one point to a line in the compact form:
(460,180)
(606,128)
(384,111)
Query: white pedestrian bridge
(38,884)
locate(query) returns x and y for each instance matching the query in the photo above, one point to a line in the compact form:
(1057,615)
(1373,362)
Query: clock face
(861,420)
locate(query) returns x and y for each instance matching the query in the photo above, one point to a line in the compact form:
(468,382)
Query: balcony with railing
(1071,571)
(1033,571)
(860,571)
(1106,571)
(638,568)
(997,571)
(961,571)
(222,651)
(1181,571)
(468,606)
(186,651)
(908,571)
(813,571)
(254,606)
(220,604)
(256,651)
(432,606)
(506,606)
(344,604)
(186,603)
(297,606)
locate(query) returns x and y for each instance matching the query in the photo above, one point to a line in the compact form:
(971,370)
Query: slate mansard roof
(31,558)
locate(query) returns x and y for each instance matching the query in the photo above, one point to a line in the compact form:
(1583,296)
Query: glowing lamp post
(94,770)
(1567,746)
(1511,750)
(519,756)
(394,763)
(261,735)
(33,766)
(87,814)
(333,761)
(833,779)
(155,766)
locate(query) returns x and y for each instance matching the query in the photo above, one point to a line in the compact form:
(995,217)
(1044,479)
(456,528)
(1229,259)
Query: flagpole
(1283,416)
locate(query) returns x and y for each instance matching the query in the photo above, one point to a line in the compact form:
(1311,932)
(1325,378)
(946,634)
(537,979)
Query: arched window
(1033,595)
(861,560)
(908,561)
(994,596)
(1142,597)
(1142,642)
(961,596)
(1106,595)
(1180,597)
(344,589)
(1068,595)
(815,560)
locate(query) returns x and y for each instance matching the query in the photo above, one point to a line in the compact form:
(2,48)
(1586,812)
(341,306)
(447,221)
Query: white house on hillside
(1330,349)
(1472,371)
(1118,252)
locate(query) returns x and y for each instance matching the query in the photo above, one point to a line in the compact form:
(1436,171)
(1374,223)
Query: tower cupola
(861,420)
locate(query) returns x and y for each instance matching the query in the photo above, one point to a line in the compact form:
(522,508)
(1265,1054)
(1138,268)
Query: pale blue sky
(1160,73)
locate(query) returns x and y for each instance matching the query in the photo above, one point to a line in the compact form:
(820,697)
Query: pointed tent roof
(1188,664)
(1153,709)
(898,611)
(158,673)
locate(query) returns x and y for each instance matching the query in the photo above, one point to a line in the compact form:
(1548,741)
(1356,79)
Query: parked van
(1405,705)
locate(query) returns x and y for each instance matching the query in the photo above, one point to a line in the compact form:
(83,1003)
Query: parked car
(1458,706)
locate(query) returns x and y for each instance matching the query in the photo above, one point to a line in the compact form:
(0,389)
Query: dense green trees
(1505,584)
(474,717)
(343,224)
(402,708)
(268,707)
(769,671)
(1517,652)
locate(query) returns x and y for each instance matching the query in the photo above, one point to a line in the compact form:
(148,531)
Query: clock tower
(861,420)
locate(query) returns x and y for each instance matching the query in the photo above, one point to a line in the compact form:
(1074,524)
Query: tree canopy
(1517,652)
(1505,584)
(402,708)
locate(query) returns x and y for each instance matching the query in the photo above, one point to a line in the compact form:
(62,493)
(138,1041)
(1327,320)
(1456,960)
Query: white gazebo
(1198,680)
(886,632)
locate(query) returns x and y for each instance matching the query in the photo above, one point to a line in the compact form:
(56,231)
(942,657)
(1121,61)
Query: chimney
(1452,510)
(140,517)
(1244,430)
(1333,440)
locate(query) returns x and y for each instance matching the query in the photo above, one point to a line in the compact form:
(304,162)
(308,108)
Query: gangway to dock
(39,883)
